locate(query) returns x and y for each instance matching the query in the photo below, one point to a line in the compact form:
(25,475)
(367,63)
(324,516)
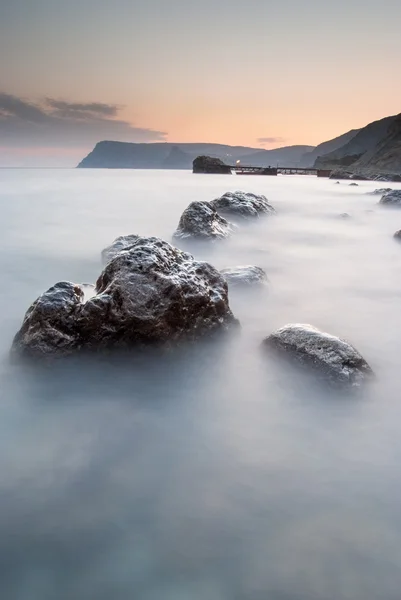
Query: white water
(211,474)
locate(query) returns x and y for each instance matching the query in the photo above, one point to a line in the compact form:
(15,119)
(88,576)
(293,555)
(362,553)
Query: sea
(211,472)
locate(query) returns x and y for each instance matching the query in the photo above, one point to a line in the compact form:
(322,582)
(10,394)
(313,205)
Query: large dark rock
(397,235)
(151,293)
(123,242)
(200,220)
(392,198)
(243,204)
(209,164)
(330,356)
(244,275)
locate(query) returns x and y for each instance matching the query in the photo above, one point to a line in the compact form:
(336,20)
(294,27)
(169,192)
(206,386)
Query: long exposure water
(211,473)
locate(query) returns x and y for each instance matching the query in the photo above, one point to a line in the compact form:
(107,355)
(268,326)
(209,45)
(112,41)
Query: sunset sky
(249,72)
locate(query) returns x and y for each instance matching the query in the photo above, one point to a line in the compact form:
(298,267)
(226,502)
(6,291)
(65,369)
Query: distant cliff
(309,158)
(122,155)
(386,155)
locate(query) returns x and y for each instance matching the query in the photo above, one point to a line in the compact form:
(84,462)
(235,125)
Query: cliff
(386,155)
(364,141)
(309,158)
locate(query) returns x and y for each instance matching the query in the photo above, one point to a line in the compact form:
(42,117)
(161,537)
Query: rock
(244,275)
(335,359)
(339,174)
(380,191)
(209,164)
(123,242)
(353,184)
(243,204)
(344,216)
(397,235)
(337,182)
(201,220)
(150,294)
(392,198)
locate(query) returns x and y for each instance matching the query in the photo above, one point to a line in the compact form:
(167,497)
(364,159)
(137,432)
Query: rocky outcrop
(208,164)
(151,293)
(200,220)
(392,198)
(242,204)
(244,275)
(333,358)
(123,242)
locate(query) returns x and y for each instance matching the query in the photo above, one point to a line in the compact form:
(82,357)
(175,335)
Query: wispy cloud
(61,124)
(270,140)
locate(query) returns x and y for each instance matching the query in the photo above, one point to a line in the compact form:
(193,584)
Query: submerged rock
(201,220)
(209,164)
(353,184)
(392,198)
(244,204)
(344,216)
(244,275)
(123,242)
(334,358)
(380,191)
(151,293)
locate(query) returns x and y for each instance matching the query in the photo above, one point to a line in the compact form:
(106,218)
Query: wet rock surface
(201,220)
(151,293)
(123,242)
(209,164)
(242,204)
(331,357)
(246,275)
(392,198)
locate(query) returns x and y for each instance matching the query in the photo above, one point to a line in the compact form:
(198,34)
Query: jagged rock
(330,356)
(397,235)
(392,198)
(209,164)
(243,204)
(201,220)
(244,275)
(380,191)
(151,293)
(123,242)
(353,184)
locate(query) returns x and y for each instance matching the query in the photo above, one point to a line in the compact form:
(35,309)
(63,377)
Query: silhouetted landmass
(308,159)
(122,155)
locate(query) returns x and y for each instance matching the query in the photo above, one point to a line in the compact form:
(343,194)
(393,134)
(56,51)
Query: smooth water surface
(210,473)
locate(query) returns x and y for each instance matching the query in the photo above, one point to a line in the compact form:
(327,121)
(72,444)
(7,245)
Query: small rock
(344,216)
(353,184)
(243,204)
(397,235)
(337,183)
(201,220)
(392,198)
(244,275)
(123,242)
(334,358)
(150,294)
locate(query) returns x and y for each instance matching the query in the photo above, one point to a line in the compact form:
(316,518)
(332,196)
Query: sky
(243,72)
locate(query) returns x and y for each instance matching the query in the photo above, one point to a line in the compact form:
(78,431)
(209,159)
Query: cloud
(60,124)
(270,140)
(81,110)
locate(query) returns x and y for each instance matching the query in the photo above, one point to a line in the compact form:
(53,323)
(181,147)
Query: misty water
(211,472)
